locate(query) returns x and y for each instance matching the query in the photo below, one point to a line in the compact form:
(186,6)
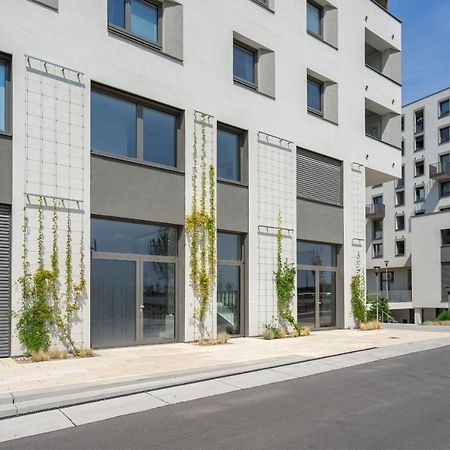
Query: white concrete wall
(77,36)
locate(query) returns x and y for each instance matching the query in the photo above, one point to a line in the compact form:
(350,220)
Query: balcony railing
(395,296)
(440,171)
(375,211)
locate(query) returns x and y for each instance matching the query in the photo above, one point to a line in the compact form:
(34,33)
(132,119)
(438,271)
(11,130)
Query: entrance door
(158,302)
(113,303)
(327,299)
(306,298)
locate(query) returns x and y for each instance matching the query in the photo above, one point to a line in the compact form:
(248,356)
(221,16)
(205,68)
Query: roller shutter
(5,282)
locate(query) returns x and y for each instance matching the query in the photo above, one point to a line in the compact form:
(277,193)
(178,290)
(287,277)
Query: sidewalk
(28,387)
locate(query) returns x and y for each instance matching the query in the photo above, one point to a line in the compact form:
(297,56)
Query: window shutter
(319,178)
(5,291)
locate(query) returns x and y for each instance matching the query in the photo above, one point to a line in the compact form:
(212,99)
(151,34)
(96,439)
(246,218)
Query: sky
(426,49)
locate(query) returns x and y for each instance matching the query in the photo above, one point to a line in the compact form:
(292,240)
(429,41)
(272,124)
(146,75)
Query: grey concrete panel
(135,191)
(232,207)
(261,378)
(445,254)
(5,170)
(53,4)
(319,222)
(173,29)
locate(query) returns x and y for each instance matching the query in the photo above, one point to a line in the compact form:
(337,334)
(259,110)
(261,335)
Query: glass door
(228,299)
(327,299)
(157,309)
(113,303)
(306,298)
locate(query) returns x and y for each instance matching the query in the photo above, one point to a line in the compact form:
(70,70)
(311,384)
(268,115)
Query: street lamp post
(386,263)
(377,274)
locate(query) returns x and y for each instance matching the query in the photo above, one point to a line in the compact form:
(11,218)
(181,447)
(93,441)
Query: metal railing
(375,210)
(395,295)
(440,169)
(386,318)
(400,184)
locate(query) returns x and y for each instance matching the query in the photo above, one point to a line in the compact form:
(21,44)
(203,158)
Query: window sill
(250,87)
(140,41)
(444,142)
(383,142)
(321,39)
(383,75)
(320,115)
(6,134)
(132,161)
(443,116)
(264,5)
(232,182)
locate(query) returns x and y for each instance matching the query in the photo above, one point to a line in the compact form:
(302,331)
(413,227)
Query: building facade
(409,219)
(107,108)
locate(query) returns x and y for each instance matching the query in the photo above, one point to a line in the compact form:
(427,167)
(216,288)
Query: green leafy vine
(201,229)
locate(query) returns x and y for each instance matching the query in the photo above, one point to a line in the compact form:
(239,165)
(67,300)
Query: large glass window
(114,130)
(244,61)
(133,238)
(444,108)
(316,254)
(314,18)
(315,95)
(419,194)
(139,17)
(3,69)
(113,125)
(444,135)
(228,155)
(160,137)
(445,235)
(377,229)
(444,189)
(229,282)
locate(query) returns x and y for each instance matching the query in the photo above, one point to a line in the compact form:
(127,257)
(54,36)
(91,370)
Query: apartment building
(102,105)
(409,219)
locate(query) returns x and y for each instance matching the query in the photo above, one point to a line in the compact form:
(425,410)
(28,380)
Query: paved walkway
(122,364)
(73,416)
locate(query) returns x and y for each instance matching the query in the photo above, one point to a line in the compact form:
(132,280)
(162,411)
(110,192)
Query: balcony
(395,295)
(375,211)
(440,171)
(400,184)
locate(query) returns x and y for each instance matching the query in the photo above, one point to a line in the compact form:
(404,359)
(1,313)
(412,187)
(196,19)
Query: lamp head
(377,270)
(386,263)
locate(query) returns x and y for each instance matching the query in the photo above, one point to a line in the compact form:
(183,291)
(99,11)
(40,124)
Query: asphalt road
(401,403)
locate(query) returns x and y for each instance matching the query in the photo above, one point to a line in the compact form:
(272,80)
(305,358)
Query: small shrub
(268,334)
(222,338)
(383,309)
(58,353)
(370,326)
(305,331)
(40,356)
(437,323)
(443,317)
(85,353)
(283,333)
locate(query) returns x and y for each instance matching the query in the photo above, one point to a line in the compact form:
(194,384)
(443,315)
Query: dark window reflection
(314,254)
(116,12)
(228,155)
(306,297)
(113,125)
(136,238)
(228,299)
(244,64)
(314,95)
(229,246)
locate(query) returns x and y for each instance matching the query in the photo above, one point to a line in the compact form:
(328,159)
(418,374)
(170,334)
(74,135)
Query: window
(229,282)
(228,154)
(4,101)
(400,248)
(377,200)
(315,89)
(445,236)
(133,238)
(444,189)
(403,123)
(115,130)
(314,18)
(316,254)
(377,230)
(244,64)
(444,108)
(403,147)
(444,161)
(399,223)
(419,194)
(138,17)
(419,168)
(419,118)
(400,198)
(377,250)
(419,143)
(444,135)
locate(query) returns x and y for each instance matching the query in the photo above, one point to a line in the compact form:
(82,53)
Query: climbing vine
(285,284)
(201,229)
(358,293)
(41,313)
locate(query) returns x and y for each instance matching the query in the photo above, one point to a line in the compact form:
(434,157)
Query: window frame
(319,83)
(440,114)
(243,154)
(254,52)
(422,110)
(397,193)
(422,137)
(321,12)
(142,103)
(127,32)
(416,163)
(442,142)
(6,60)
(397,228)
(441,184)
(378,245)
(376,230)
(397,253)
(417,188)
